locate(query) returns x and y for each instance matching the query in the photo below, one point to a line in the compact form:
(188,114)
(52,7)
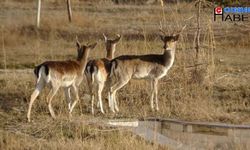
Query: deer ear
(92,46)
(117,39)
(162,38)
(105,38)
(78,45)
(176,37)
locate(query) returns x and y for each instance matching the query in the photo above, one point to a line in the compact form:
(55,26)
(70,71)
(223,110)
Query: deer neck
(168,57)
(110,52)
(83,61)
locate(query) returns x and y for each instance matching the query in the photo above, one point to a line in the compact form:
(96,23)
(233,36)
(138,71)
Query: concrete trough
(202,127)
(178,134)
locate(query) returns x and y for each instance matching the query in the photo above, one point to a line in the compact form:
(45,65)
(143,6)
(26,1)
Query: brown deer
(150,67)
(67,74)
(98,70)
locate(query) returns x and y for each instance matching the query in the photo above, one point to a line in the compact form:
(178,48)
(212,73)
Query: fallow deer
(151,67)
(67,74)
(98,70)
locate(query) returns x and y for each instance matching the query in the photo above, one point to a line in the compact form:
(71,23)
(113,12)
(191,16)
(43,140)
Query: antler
(77,39)
(105,38)
(118,35)
(180,31)
(161,30)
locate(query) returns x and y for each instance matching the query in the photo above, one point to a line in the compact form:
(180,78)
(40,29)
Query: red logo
(218,10)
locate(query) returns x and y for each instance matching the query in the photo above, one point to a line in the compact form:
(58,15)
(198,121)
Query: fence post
(69,10)
(4,51)
(38,13)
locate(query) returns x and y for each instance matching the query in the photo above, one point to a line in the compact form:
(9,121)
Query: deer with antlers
(150,67)
(67,74)
(98,70)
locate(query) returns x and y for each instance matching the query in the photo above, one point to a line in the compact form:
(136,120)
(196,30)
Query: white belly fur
(65,81)
(141,73)
(144,73)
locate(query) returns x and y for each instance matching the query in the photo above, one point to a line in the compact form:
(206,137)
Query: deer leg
(92,103)
(152,94)
(68,97)
(108,84)
(93,95)
(156,93)
(113,91)
(99,95)
(77,98)
(52,93)
(109,99)
(39,87)
(91,91)
(115,102)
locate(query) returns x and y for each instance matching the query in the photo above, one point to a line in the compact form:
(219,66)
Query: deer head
(170,40)
(83,50)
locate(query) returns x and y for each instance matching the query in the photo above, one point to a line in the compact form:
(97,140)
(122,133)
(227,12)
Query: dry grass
(46,133)
(217,92)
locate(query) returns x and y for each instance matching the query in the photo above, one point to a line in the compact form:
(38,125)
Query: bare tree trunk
(38,13)
(197,40)
(69,10)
